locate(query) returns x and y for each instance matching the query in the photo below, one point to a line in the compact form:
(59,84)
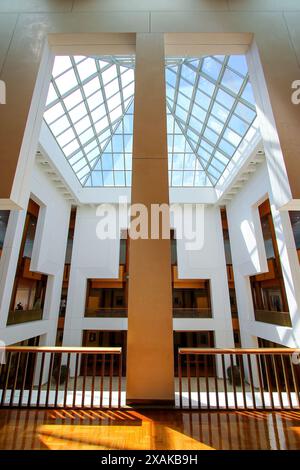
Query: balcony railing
(123,312)
(106,313)
(61,377)
(192,313)
(238,378)
(22,316)
(273,317)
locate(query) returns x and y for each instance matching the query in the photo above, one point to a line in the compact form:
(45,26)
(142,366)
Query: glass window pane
(61,64)
(107,161)
(238,125)
(211,67)
(177,178)
(73,99)
(220,112)
(232,81)
(188,178)
(178,160)
(188,73)
(78,112)
(248,93)
(109,74)
(66,82)
(207,86)
(244,112)
(108,178)
(86,68)
(238,63)
(53,113)
(60,125)
(52,95)
(225,99)
(91,86)
(189,161)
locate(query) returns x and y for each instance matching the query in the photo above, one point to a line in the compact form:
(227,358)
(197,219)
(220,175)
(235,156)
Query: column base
(145,402)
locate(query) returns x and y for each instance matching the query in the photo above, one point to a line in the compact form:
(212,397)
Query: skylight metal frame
(112,126)
(211,159)
(218,85)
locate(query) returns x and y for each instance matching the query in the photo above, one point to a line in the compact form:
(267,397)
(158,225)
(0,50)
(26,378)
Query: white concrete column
(290,268)
(9,261)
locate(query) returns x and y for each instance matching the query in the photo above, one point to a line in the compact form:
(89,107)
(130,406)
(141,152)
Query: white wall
(208,262)
(91,258)
(249,258)
(95,258)
(48,257)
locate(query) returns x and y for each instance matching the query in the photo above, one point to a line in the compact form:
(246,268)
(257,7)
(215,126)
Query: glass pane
(211,67)
(66,82)
(232,81)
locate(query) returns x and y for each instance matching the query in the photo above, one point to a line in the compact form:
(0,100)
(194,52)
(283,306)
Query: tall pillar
(150,372)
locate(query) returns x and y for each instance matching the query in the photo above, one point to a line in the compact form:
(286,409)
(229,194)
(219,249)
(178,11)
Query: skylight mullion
(121,90)
(178,75)
(195,89)
(107,143)
(102,86)
(70,122)
(186,137)
(226,124)
(213,98)
(88,114)
(231,113)
(241,99)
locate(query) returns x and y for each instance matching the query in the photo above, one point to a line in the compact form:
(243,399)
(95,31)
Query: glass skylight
(210,109)
(210,113)
(89,111)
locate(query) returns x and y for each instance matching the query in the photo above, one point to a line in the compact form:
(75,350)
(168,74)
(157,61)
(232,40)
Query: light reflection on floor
(148,429)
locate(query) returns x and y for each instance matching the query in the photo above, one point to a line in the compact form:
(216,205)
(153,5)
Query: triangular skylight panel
(210,108)
(90,101)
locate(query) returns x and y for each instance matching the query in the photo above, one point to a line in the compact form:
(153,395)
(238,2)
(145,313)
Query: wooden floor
(148,429)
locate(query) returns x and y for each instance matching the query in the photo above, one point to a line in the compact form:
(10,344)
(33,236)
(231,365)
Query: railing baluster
(7,373)
(198,380)
(188,365)
(93,380)
(67,380)
(270,388)
(224,380)
(15,381)
(24,379)
(295,382)
(261,385)
(120,381)
(251,381)
(111,371)
(75,380)
(58,380)
(49,379)
(180,379)
(233,382)
(32,379)
(242,376)
(215,359)
(40,380)
(207,382)
(102,380)
(286,381)
(279,392)
(85,359)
